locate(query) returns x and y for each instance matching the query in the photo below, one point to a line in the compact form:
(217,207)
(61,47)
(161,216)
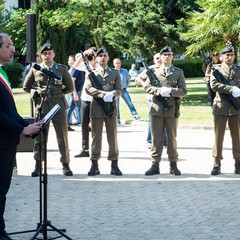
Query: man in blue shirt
(27,68)
(125,77)
(78,78)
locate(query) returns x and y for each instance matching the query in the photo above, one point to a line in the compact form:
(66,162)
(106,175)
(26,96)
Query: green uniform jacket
(221,106)
(56,90)
(173,79)
(111,82)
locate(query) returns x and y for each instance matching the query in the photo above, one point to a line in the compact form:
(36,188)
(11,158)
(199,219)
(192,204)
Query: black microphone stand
(44,223)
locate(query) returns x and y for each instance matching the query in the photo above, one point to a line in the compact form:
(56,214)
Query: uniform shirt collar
(45,66)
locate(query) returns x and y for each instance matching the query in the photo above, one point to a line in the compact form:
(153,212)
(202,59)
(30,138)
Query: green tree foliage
(62,24)
(135,25)
(213,26)
(16,27)
(50,34)
(119,25)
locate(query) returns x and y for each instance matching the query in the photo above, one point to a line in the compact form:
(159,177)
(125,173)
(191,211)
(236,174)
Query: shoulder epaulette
(113,69)
(59,65)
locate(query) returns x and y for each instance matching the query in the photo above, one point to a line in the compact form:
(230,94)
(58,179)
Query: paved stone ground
(192,206)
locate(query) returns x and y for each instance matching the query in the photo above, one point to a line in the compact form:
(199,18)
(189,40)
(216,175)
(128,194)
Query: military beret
(46,47)
(227,49)
(101,50)
(165,49)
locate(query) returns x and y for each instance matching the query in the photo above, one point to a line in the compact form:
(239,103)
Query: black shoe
(154,169)
(66,170)
(216,171)
(116,172)
(94,169)
(82,154)
(70,129)
(6,237)
(237,167)
(115,169)
(36,172)
(174,170)
(216,168)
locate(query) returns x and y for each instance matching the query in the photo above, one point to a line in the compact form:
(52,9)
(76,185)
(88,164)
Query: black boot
(36,171)
(153,170)
(94,169)
(66,170)
(216,167)
(174,170)
(237,167)
(115,169)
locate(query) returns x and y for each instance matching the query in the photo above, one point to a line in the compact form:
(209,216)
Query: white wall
(11,3)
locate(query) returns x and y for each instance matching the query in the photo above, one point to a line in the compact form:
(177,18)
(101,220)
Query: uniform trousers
(8,156)
(157,128)
(85,120)
(219,130)
(111,130)
(60,125)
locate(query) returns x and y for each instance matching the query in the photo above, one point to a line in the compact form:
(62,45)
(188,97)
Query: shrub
(14,72)
(191,68)
(127,64)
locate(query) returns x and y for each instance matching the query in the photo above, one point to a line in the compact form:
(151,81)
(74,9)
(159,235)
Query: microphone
(47,72)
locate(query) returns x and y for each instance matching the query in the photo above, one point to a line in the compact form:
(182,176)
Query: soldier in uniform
(172,87)
(223,110)
(54,95)
(110,82)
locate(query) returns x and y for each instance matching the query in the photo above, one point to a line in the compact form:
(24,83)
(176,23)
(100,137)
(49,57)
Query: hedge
(14,72)
(191,68)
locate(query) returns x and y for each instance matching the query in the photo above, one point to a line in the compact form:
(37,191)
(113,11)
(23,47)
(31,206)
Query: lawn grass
(194,108)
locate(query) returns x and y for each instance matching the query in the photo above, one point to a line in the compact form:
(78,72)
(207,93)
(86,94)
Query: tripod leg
(40,230)
(59,231)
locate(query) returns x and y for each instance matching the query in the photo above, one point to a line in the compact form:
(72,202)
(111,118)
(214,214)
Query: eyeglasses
(214,55)
(11,47)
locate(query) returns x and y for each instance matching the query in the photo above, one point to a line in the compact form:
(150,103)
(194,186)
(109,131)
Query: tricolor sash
(4,80)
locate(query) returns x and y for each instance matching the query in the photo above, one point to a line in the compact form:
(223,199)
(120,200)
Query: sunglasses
(214,55)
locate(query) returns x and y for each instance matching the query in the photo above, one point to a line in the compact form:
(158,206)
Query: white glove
(165,91)
(235,91)
(108,97)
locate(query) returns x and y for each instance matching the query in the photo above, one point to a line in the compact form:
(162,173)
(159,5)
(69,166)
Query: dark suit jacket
(11,123)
